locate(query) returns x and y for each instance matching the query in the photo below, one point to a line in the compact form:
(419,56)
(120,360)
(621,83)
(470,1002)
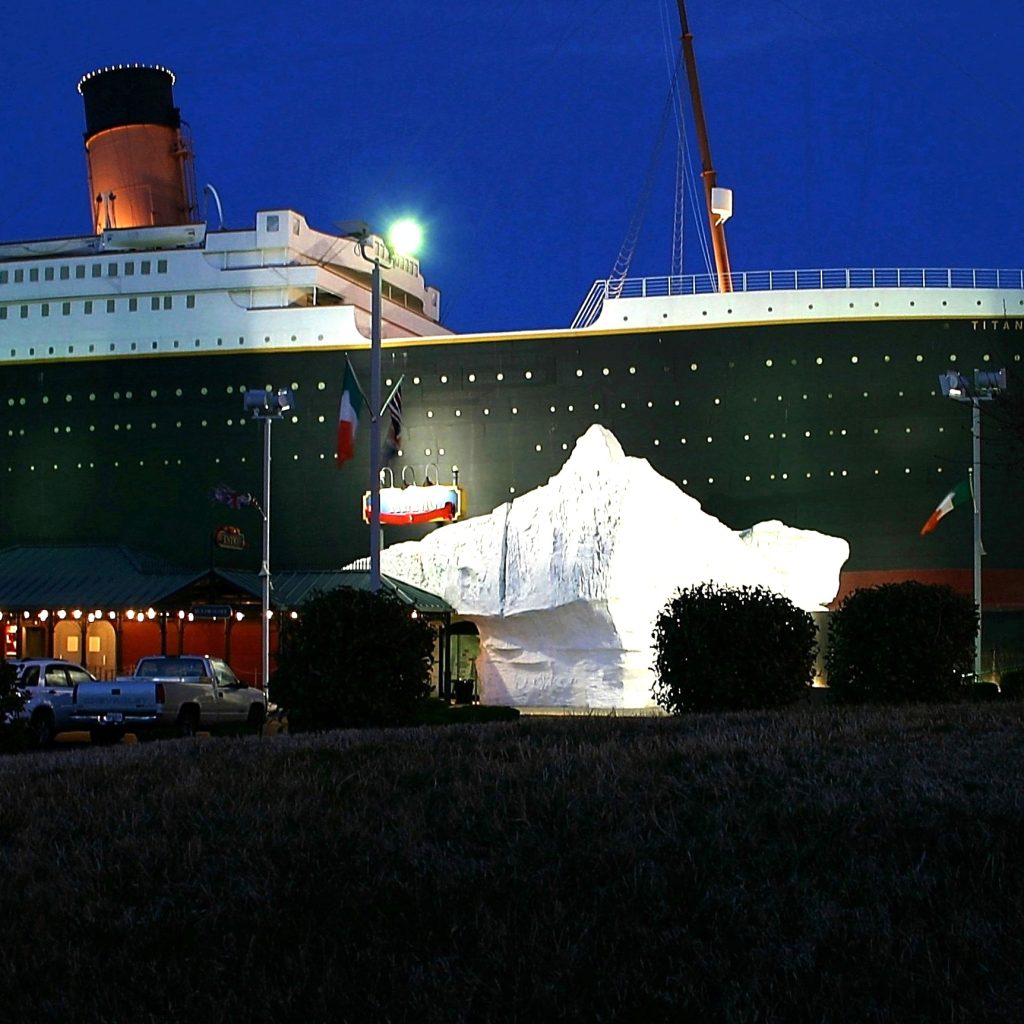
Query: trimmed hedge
(901,642)
(730,648)
(353,658)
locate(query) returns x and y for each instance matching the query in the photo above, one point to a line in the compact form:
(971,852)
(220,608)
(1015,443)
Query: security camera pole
(267,405)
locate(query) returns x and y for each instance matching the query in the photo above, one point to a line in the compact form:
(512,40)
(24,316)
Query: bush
(1011,685)
(13,730)
(353,658)
(723,649)
(901,642)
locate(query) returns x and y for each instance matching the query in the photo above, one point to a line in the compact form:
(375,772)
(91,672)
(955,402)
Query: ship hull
(832,426)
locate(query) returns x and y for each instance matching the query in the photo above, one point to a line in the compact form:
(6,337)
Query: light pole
(405,236)
(984,388)
(267,405)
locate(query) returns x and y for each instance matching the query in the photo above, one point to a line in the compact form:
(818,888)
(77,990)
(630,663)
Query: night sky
(872,133)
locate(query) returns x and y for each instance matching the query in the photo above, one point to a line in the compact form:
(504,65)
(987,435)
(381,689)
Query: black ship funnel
(138,150)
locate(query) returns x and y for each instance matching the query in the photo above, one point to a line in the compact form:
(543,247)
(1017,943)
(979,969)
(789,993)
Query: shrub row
(720,648)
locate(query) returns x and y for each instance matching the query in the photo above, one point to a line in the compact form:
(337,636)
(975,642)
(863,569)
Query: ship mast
(717,221)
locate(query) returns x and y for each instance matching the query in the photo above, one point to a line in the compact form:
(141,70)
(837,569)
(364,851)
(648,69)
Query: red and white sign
(406,506)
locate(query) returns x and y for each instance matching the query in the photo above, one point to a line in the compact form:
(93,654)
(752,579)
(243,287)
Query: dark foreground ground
(825,865)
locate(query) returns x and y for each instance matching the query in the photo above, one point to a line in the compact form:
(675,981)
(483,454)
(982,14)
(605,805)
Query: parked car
(186,691)
(50,684)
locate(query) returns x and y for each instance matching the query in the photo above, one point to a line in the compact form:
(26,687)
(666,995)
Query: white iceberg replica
(564,583)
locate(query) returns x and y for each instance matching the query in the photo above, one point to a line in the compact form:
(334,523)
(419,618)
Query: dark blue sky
(868,133)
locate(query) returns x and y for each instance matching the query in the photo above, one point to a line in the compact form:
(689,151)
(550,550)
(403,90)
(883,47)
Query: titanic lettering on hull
(998,325)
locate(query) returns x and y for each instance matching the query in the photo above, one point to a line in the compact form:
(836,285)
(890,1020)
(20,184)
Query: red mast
(707,168)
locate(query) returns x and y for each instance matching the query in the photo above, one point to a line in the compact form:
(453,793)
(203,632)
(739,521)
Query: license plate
(113,717)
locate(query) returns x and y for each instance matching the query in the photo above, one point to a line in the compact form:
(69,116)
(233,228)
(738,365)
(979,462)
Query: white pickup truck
(186,691)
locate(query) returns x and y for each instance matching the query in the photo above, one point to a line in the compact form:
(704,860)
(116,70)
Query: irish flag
(960,495)
(348,417)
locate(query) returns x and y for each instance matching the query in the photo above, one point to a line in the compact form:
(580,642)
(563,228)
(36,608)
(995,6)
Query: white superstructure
(183,289)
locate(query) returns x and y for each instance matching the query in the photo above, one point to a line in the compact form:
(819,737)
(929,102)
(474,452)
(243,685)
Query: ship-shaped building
(812,397)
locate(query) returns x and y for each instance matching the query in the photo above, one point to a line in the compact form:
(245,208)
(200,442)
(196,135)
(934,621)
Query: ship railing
(794,280)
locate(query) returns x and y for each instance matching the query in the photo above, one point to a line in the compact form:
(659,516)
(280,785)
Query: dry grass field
(825,865)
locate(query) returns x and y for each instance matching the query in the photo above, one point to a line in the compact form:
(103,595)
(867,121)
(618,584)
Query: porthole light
(768,362)
(458,412)
(919,358)
(854,359)
(622,405)
(415,380)
(579,373)
(819,360)
(536,447)
(515,411)
(487,412)
(499,376)
(444,379)
(605,371)
(632,369)
(471,378)
(693,366)
(528,375)
(718,401)
(430,414)
(552,409)
(570,408)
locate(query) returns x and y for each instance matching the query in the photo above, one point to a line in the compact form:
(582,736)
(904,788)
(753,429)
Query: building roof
(92,576)
(112,576)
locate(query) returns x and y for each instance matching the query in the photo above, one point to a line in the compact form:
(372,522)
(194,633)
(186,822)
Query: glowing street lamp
(985,386)
(403,239)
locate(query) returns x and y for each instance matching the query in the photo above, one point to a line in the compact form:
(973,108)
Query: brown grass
(825,865)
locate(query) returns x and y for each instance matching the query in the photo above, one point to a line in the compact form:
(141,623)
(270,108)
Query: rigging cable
(622,263)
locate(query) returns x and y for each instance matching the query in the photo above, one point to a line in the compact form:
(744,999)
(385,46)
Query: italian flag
(348,417)
(960,495)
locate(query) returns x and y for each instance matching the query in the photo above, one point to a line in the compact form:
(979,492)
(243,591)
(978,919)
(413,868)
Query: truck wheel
(40,729)
(257,716)
(188,721)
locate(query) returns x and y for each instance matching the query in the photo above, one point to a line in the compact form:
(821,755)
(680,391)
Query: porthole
(499,376)
(605,371)
(579,373)
(471,378)
(444,379)
(528,375)
(693,367)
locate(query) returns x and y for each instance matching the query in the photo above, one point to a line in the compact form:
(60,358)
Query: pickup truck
(186,691)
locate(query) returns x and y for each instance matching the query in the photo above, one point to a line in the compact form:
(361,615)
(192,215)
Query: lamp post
(985,386)
(405,236)
(267,405)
